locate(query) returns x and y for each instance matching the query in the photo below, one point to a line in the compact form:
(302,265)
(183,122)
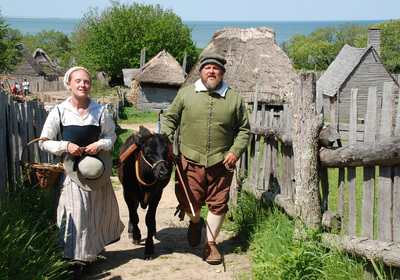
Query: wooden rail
(268,171)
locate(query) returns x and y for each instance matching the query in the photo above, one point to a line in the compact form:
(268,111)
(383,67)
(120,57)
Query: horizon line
(202,20)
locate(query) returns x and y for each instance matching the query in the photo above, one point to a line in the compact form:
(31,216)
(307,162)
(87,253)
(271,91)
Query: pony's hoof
(136,241)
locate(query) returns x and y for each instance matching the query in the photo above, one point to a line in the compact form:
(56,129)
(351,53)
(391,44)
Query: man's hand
(230,159)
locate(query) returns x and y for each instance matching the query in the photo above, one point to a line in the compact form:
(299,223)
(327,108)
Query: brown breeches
(204,186)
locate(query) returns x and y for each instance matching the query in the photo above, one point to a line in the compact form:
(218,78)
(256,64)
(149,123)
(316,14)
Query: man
(19,90)
(25,85)
(214,131)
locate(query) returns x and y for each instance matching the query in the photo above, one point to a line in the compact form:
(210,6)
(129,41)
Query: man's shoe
(194,232)
(211,254)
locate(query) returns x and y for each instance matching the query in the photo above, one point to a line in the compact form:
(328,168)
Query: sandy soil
(174,258)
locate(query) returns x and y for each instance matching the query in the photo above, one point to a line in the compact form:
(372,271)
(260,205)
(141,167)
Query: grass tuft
(130,115)
(28,241)
(269,234)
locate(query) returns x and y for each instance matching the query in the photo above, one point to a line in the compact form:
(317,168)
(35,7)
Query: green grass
(28,242)
(129,115)
(269,236)
(333,175)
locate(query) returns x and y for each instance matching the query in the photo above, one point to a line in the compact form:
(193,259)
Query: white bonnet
(69,72)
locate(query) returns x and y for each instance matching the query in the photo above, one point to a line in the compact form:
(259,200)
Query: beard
(213,85)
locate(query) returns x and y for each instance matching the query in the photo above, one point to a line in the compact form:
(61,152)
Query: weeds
(28,242)
(276,255)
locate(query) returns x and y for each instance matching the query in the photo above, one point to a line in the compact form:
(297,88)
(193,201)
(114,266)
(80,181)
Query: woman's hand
(92,149)
(74,149)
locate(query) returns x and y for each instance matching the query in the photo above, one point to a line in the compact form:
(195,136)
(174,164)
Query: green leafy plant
(112,39)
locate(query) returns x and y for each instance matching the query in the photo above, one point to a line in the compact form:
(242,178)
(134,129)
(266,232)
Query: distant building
(128,72)
(359,68)
(157,83)
(253,57)
(29,67)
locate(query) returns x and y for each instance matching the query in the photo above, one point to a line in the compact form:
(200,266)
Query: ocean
(202,30)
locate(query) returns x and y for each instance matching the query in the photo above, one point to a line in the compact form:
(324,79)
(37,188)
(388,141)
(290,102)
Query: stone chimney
(374,39)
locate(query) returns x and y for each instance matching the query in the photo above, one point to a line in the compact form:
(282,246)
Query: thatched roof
(29,66)
(340,69)
(161,69)
(42,58)
(252,57)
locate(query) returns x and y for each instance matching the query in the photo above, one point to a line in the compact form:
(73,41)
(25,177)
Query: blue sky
(224,10)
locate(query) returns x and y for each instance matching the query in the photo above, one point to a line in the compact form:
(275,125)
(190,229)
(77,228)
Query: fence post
(305,132)
(368,200)
(351,171)
(385,183)
(3,150)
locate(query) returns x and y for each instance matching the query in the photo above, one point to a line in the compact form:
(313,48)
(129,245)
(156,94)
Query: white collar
(221,91)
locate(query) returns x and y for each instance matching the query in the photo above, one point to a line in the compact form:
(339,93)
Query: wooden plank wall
(270,163)
(20,123)
(39,85)
(270,167)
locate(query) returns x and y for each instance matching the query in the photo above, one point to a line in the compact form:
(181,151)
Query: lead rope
(183,185)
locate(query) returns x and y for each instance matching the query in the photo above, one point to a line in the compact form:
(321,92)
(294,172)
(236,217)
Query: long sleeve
(50,130)
(172,118)
(108,135)
(95,115)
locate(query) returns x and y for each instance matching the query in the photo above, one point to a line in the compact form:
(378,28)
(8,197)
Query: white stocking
(195,219)
(214,224)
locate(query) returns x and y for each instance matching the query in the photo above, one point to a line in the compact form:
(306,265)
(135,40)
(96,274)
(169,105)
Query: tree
(56,44)
(111,40)
(349,34)
(321,47)
(10,52)
(390,44)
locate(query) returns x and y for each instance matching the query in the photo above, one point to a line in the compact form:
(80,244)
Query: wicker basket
(40,175)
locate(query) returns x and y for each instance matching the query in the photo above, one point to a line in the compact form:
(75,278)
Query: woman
(87,215)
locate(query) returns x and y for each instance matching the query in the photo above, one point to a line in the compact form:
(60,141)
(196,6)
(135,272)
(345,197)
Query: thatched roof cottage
(29,67)
(157,84)
(359,68)
(42,58)
(253,58)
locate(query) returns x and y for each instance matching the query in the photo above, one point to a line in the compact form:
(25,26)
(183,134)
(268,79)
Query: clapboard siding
(156,97)
(370,72)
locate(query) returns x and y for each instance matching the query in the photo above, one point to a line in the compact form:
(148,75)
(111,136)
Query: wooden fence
(20,123)
(269,172)
(37,84)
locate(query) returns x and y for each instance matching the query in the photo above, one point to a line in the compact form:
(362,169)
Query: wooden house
(157,83)
(29,67)
(42,58)
(359,68)
(254,62)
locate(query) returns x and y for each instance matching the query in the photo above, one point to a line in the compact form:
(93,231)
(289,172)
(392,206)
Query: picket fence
(268,171)
(20,123)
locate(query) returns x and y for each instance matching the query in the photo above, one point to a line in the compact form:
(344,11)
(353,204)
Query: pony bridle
(154,164)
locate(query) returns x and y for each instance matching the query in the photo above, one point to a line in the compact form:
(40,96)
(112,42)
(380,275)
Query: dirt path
(174,258)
